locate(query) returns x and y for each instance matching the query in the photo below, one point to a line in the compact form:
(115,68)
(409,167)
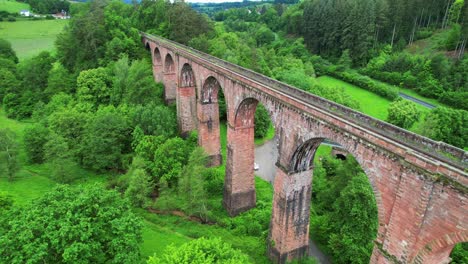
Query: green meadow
(373,104)
(29,37)
(12,6)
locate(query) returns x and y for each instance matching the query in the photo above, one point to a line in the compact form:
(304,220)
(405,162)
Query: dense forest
(94,105)
(48,6)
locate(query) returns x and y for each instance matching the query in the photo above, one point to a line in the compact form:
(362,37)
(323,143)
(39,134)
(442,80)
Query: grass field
(29,37)
(12,6)
(372,104)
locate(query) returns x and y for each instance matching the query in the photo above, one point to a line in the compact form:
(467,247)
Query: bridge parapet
(430,148)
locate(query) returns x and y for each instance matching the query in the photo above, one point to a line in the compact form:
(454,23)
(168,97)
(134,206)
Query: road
(416,100)
(266,156)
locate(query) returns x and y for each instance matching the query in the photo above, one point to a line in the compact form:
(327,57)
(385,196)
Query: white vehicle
(256,167)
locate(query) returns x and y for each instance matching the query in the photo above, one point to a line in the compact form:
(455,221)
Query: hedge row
(323,67)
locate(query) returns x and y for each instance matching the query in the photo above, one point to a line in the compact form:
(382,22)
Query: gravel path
(416,100)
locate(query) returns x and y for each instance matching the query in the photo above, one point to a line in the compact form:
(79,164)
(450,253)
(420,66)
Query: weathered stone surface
(420,193)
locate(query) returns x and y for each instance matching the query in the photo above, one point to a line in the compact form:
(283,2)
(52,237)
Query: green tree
(57,153)
(354,226)
(9,152)
(169,159)
(34,73)
(73,225)
(60,80)
(158,120)
(403,113)
(70,123)
(139,188)
(106,140)
(448,125)
(191,185)
(8,82)
(184,23)
(35,137)
(134,84)
(201,251)
(94,86)
(6,51)
(262,121)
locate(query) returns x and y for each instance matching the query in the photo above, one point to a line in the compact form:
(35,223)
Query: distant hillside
(12,6)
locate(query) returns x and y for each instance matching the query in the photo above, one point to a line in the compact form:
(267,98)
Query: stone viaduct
(420,185)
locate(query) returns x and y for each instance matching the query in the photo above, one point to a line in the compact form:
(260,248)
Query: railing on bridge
(435,149)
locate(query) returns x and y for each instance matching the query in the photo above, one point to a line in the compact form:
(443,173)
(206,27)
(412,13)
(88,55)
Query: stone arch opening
(169,66)
(187,100)
(210,90)
(294,193)
(438,250)
(210,104)
(187,77)
(147,45)
(157,60)
(242,163)
(303,159)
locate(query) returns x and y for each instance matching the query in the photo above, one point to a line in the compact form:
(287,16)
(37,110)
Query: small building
(61,15)
(25,13)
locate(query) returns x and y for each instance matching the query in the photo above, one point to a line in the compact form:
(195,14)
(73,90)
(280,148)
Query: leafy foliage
(35,137)
(79,225)
(201,251)
(9,152)
(403,113)
(344,210)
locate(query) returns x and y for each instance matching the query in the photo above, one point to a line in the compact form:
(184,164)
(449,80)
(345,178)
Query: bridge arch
(303,158)
(289,228)
(438,250)
(209,119)
(157,60)
(186,100)
(169,65)
(187,77)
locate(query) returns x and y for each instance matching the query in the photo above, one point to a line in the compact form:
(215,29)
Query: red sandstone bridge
(420,185)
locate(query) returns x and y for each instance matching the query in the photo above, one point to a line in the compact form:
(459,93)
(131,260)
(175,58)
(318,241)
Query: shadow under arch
(186,100)
(169,66)
(208,110)
(157,60)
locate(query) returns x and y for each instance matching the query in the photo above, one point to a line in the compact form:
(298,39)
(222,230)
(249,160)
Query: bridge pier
(158,72)
(186,110)
(170,87)
(239,184)
(289,226)
(208,131)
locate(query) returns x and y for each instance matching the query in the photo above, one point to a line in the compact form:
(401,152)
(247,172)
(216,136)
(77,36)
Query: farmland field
(12,6)
(28,38)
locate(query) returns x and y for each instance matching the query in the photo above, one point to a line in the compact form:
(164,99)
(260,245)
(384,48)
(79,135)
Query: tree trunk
(445,19)
(393,35)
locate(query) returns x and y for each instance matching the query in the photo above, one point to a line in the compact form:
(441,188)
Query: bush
(11,19)
(403,113)
(201,251)
(368,84)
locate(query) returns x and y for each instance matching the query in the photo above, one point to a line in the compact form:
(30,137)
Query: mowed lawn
(12,6)
(29,37)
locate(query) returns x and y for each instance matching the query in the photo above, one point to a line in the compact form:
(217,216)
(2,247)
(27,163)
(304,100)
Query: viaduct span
(420,185)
